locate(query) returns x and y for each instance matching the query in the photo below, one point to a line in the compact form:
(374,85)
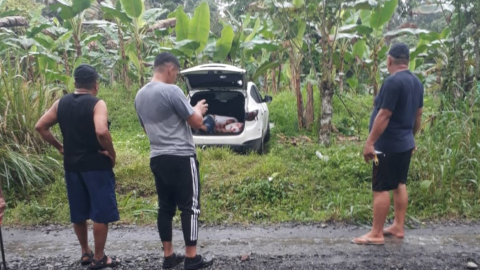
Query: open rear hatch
(224,87)
(215,77)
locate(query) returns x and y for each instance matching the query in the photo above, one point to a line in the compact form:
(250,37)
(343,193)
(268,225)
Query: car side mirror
(267,99)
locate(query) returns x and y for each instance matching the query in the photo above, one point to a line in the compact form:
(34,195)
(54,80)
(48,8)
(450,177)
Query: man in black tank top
(89,158)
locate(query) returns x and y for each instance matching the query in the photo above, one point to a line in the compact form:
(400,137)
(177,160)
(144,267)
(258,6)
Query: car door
(263,110)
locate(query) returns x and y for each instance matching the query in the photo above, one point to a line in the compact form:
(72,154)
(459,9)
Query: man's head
(398,57)
(166,66)
(86,77)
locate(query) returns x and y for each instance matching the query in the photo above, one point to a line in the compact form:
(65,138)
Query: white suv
(228,94)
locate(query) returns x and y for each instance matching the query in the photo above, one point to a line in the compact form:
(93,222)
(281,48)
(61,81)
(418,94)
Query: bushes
(22,103)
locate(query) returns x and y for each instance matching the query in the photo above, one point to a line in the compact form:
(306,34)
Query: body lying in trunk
(226,112)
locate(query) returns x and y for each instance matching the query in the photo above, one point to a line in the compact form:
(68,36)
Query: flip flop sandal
(391,234)
(89,259)
(103,263)
(366,241)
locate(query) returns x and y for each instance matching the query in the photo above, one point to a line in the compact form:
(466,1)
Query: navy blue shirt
(402,94)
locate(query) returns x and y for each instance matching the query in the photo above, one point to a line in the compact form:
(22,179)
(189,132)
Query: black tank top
(80,144)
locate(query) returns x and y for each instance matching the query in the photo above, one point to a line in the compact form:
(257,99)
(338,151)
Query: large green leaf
(37,29)
(348,28)
(2,3)
(81,5)
(364,4)
(224,44)
(187,46)
(344,35)
(301,27)
(181,28)
(91,38)
(46,41)
(352,82)
(383,14)
(298,3)
(64,10)
(433,8)
(113,13)
(133,8)
(405,31)
(254,31)
(258,45)
(67,11)
(359,48)
(199,26)
(264,68)
(63,38)
(152,14)
(132,56)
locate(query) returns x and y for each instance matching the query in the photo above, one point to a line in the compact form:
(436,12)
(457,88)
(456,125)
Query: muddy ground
(285,246)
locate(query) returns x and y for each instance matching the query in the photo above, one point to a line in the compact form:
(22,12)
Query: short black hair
(400,51)
(164,58)
(85,77)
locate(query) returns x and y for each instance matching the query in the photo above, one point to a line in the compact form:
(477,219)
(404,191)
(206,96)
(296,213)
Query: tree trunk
(13,21)
(295,61)
(310,109)
(327,111)
(298,92)
(65,59)
(140,59)
(274,82)
(477,53)
(78,47)
(340,73)
(279,77)
(374,73)
(124,71)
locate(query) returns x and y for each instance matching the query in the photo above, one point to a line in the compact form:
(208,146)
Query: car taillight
(250,116)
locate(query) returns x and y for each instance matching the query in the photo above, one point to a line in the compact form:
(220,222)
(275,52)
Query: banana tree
(73,14)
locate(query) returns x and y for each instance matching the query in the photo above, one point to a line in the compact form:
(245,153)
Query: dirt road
(448,246)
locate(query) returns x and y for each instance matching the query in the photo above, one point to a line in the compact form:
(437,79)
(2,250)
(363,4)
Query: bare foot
(394,231)
(368,239)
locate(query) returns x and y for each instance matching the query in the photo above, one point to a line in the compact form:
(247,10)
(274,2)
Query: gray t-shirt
(163,111)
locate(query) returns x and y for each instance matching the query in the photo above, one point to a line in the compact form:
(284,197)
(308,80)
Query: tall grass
(21,104)
(448,160)
(290,183)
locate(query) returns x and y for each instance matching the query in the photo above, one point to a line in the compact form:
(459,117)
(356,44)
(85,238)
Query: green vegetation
(289,183)
(323,75)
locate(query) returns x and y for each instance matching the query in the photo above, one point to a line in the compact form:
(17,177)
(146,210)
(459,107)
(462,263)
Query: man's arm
(379,125)
(48,120)
(418,121)
(100,118)
(196,119)
(193,115)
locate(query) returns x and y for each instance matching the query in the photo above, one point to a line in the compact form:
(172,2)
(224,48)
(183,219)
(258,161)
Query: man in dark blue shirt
(395,120)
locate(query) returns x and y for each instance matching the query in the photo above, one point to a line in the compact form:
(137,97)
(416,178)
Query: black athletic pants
(177,182)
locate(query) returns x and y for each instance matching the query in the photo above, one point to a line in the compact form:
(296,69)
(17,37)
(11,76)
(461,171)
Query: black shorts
(392,170)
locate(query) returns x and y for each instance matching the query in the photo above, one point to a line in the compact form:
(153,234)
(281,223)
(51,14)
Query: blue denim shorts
(91,195)
(209,122)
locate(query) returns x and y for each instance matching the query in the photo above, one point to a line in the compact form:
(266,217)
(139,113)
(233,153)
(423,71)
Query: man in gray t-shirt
(167,118)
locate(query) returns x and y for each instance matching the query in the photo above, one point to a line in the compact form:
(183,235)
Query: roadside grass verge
(289,183)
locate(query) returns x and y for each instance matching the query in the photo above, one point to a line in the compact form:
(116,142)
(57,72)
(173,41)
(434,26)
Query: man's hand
(368,152)
(61,150)
(112,158)
(414,149)
(201,107)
